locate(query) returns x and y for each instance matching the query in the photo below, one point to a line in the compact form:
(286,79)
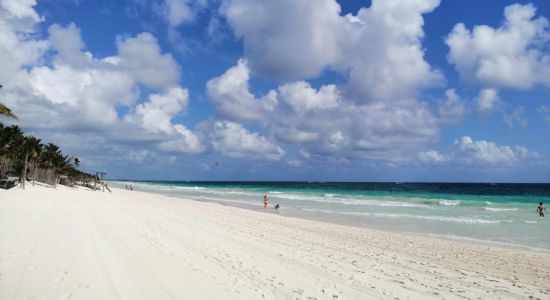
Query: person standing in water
(541,210)
(265,200)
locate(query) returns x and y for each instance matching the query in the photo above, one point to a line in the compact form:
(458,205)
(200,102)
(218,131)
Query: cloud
(374,115)
(141,57)
(301,97)
(231,96)
(487,100)
(183,141)
(379,49)
(295,163)
(68,44)
(468,152)
(431,156)
(70,90)
(156,115)
(233,140)
(76,97)
(177,12)
(385,57)
(516,117)
(19,15)
(18,47)
(544,110)
(452,109)
(324,122)
(511,56)
(286,39)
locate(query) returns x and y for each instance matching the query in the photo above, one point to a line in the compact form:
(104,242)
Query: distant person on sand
(265,200)
(541,210)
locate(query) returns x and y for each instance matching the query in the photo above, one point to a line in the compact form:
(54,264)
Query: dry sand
(78,244)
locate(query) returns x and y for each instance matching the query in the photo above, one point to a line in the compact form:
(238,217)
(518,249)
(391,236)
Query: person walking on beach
(541,210)
(265,200)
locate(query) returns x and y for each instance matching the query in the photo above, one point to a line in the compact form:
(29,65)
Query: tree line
(23,155)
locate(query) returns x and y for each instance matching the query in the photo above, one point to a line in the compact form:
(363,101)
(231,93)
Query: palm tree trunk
(49,176)
(34,174)
(24,173)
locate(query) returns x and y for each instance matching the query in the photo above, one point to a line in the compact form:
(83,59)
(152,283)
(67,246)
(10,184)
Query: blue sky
(399,90)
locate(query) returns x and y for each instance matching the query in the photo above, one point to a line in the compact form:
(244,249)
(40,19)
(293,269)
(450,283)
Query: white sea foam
(224,200)
(239,193)
(499,209)
(449,202)
(347,201)
(463,220)
(169,187)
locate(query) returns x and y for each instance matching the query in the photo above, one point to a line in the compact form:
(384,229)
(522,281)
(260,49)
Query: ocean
(497,214)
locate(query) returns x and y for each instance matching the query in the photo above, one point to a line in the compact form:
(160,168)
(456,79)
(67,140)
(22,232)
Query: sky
(292,90)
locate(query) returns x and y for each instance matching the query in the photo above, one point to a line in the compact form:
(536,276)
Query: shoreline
(335,218)
(367,226)
(138,245)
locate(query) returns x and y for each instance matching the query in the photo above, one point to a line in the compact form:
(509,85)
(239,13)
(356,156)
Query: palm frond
(5,111)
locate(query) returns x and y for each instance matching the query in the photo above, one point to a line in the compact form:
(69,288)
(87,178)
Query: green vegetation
(26,157)
(5,111)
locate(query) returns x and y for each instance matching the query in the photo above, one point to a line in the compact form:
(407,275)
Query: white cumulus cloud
(452,109)
(231,96)
(177,12)
(56,84)
(510,56)
(324,121)
(379,49)
(156,116)
(466,151)
(487,100)
(233,140)
(141,57)
(484,152)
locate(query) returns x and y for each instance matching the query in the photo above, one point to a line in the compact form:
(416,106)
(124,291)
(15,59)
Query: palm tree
(7,135)
(11,138)
(35,148)
(16,154)
(61,163)
(18,151)
(5,111)
(26,150)
(49,156)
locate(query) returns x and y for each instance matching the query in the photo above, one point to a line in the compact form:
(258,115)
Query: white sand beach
(69,243)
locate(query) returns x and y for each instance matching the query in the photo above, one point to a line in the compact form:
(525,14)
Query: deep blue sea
(501,214)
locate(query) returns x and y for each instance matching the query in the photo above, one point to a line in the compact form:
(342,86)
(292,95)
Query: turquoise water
(499,214)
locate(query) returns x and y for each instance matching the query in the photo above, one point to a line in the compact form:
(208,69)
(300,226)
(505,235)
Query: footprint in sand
(65,296)
(81,286)
(60,276)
